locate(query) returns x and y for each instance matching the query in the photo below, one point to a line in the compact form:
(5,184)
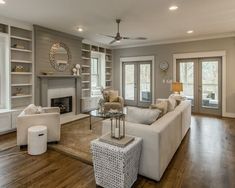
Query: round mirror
(60,56)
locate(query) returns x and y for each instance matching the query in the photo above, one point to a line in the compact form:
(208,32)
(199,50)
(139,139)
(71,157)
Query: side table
(116,167)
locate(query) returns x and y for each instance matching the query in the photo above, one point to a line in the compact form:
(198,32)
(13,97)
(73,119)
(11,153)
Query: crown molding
(172,41)
(95,43)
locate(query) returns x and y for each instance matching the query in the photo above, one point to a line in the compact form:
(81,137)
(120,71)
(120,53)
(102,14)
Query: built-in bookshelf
(85,75)
(86,64)
(21,61)
(108,67)
(3,28)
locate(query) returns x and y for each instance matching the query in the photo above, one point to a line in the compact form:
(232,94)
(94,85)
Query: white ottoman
(37,140)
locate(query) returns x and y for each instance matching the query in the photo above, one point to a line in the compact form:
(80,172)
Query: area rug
(76,137)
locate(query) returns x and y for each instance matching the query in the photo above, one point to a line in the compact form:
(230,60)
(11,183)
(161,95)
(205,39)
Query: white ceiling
(141,18)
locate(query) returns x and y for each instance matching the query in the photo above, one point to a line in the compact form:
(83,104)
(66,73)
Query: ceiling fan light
(173,7)
(80,29)
(118,41)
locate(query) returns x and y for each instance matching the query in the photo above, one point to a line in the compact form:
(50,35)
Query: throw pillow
(171,103)
(162,106)
(113,96)
(178,98)
(31,109)
(142,116)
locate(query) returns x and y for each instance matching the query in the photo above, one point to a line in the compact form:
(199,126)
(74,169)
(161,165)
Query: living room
(117,94)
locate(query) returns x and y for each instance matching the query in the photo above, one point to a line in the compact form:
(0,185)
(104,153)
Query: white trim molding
(137,59)
(205,55)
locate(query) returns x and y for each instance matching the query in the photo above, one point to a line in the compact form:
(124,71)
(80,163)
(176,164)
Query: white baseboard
(229,115)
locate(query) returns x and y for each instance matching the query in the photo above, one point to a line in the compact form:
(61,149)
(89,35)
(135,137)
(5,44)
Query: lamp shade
(177,87)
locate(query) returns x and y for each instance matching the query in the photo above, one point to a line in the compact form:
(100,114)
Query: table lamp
(177,87)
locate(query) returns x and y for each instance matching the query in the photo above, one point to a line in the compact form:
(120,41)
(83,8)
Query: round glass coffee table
(97,113)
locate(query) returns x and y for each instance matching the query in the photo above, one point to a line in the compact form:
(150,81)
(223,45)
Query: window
(97,73)
(95,77)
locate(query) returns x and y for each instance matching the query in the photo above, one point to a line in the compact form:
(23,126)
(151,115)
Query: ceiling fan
(118,36)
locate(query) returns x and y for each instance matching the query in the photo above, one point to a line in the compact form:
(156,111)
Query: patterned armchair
(112,100)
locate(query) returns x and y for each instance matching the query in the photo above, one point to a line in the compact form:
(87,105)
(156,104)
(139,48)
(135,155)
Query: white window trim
(5,97)
(206,55)
(137,59)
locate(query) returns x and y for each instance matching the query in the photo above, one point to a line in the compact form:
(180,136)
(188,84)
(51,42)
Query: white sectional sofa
(160,139)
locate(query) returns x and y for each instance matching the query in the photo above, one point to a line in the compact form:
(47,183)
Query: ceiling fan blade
(113,41)
(110,36)
(137,38)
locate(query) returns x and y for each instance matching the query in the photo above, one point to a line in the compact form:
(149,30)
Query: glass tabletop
(97,113)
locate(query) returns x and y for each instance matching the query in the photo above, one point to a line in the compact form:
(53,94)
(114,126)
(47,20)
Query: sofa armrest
(149,164)
(50,120)
(52,109)
(121,100)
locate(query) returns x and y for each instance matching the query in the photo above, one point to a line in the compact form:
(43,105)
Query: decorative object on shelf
(77,66)
(74,71)
(177,87)
(18,92)
(18,46)
(117,124)
(18,68)
(60,56)
(164,65)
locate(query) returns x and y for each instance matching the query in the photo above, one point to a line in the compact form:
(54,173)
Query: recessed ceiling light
(173,7)
(190,31)
(80,29)
(2,2)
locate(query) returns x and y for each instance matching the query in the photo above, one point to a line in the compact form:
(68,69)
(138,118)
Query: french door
(202,81)
(137,83)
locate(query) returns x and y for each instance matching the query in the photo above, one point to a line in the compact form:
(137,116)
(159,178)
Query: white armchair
(50,118)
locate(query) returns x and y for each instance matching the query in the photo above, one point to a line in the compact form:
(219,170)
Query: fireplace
(64,103)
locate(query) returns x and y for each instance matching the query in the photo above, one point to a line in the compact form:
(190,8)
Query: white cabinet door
(13,118)
(5,121)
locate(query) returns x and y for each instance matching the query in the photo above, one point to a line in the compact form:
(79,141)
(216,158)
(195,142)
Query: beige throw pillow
(162,106)
(171,103)
(142,116)
(113,96)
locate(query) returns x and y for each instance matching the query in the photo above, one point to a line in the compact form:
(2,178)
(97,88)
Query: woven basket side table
(116,167)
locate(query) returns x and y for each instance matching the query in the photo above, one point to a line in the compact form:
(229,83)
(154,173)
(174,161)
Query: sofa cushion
(142,116)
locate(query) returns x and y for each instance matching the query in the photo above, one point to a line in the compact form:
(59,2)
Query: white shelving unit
(22,71)
(20,53)
(86,63)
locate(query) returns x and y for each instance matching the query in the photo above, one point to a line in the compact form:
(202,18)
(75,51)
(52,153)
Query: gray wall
(165,53)
(43,40)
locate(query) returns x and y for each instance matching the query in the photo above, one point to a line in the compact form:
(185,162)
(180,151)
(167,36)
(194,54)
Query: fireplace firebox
(64,103)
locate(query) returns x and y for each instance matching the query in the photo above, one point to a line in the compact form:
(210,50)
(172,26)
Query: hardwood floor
(206,158)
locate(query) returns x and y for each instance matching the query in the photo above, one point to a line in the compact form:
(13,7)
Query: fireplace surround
(64,103)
